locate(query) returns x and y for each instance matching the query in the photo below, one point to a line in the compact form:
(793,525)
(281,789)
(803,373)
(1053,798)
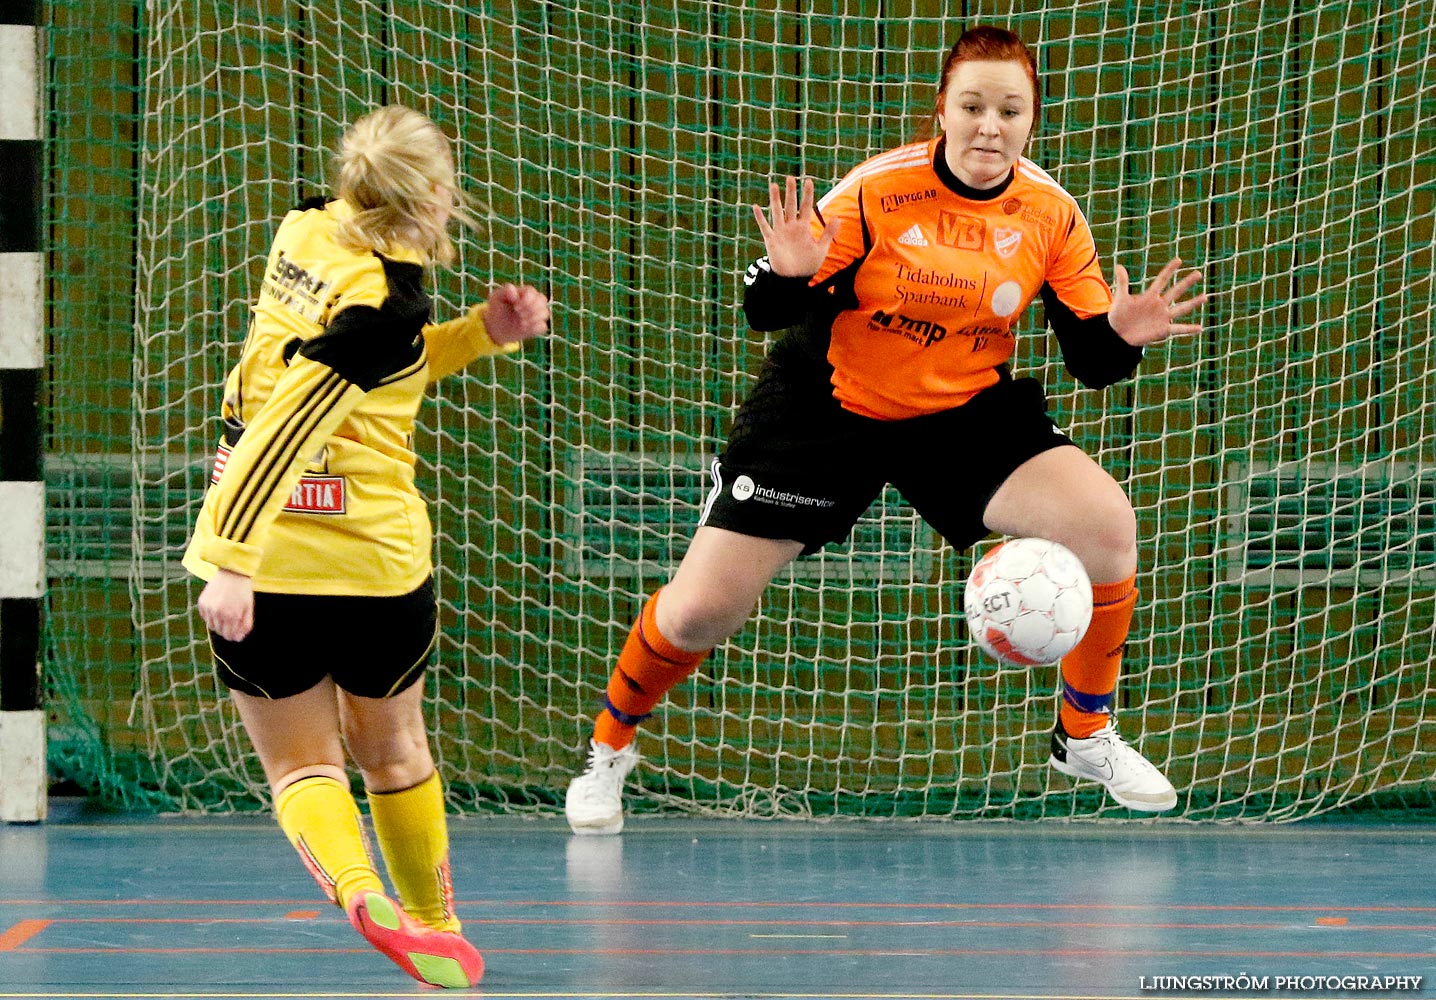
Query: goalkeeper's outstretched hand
(788,240)
(1150,316)
(515,313)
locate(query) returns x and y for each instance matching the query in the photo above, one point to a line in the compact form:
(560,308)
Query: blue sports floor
(110,907)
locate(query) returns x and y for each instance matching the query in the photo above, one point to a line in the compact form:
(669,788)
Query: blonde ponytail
(396,171)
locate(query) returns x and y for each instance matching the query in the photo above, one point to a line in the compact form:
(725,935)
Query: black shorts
(798,466)
(373,647)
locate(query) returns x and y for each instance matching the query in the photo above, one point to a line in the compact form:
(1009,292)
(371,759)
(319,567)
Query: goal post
(1282,463)
(23,784)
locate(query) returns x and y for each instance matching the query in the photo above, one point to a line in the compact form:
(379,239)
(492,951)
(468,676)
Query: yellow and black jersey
(313,486)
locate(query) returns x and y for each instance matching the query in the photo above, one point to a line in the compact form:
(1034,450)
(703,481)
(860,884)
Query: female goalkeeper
(316,545)
(903,287)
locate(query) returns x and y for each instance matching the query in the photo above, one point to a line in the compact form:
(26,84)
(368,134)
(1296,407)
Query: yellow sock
(414,839)
(321,820)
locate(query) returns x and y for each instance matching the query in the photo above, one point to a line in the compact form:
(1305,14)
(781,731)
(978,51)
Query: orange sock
(648,668)
(1089,672)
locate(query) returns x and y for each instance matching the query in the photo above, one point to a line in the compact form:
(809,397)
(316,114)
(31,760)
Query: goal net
(1281,463)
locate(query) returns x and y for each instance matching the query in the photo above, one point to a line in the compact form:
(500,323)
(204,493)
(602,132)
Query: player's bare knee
(699,621)
(403,767)
(390,750)
(389,755)
(1118,528)
(1107,544)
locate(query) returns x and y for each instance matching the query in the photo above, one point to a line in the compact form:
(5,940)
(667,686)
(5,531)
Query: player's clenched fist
(516,313)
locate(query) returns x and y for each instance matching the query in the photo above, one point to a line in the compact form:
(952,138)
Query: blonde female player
(904,285)
(316,544)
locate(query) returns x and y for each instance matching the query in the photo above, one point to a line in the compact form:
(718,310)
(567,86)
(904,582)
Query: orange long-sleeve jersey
(313,487)
(928,278)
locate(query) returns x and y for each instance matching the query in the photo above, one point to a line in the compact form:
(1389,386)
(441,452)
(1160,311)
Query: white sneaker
(1104,756)
(594,803)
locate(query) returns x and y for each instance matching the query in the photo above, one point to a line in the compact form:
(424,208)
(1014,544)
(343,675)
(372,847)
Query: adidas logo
(761,264)
(913,237)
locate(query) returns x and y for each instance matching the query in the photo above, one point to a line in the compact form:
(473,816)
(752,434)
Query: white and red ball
(1028,601)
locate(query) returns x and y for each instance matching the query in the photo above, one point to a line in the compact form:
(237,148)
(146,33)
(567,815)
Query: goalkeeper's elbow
(1098,375)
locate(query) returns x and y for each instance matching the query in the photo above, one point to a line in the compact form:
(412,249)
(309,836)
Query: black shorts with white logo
(374,647)
(798,466)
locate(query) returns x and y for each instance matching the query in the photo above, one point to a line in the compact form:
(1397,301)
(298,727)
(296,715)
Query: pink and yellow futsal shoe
(439,958)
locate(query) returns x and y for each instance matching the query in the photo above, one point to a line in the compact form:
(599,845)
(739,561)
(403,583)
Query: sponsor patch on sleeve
(311,495)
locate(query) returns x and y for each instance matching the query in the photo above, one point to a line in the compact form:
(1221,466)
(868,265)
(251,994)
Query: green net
(1281,463)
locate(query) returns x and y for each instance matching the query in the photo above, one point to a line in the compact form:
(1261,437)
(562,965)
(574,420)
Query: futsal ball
(1028,601)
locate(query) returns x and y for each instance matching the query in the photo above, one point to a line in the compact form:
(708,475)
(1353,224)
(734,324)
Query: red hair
(985,44)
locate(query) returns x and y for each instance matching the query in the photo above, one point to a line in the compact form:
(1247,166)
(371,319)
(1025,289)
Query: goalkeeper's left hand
(1150,316)
(516,313)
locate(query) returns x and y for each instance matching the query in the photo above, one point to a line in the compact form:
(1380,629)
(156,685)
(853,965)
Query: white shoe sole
(597,828)
(1138,805)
